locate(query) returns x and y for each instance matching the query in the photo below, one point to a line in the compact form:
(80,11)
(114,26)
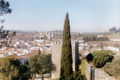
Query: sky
(47,15)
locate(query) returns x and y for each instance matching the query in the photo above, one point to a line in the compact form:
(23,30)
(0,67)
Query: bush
(83,67)
(100,58)
(89,57)
(12,69)
(40,64)
(113,68)
(78,76)
(94,38)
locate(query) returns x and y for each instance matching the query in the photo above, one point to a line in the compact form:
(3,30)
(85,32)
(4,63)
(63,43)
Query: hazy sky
(45,15)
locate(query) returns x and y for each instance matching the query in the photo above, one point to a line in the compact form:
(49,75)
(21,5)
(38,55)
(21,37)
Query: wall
(87,71)
(97,73)
(56,58)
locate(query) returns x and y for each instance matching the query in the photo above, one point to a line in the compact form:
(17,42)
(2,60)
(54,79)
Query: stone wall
(92,73)
(56,58)
(87,71)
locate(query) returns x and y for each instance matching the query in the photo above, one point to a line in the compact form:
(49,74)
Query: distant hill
(23,31)
(57,31)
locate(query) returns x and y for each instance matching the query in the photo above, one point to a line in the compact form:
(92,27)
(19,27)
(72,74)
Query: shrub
(78,76)
(89,57)
(113,68)
(100,58)
(83,67)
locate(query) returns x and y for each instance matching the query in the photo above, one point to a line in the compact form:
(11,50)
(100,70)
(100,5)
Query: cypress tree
(39,52)
(66,55)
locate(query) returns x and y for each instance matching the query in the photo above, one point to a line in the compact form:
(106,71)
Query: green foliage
(40,64)
(83,67)
(113,68)
(39,51)
(4,7)
(8,71)
(45,63)
(78,76)
(33,64)
(95,38)
(100,58)
(5,34)
(11,69)
(24,73)
(66,55)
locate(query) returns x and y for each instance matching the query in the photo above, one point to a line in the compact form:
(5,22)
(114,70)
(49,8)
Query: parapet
(56,43)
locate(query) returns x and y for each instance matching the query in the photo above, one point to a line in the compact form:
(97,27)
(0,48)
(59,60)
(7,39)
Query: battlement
(56,43)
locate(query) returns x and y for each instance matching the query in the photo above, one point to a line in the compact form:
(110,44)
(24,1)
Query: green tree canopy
(40,64)
(100,58)
(12,69)
(113,68)
(24,72)
(7,70)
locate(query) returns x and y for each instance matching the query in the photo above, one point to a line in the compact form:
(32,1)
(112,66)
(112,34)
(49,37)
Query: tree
(8,71)
(34,66)
(40,64)
(100,58)
(66,55)
(39,51)
(113,68)
(113,29)
(12,69)
(4,7)
(24,72)
(45,64)
(5,36)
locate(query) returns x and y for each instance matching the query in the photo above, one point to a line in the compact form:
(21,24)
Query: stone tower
(56,57)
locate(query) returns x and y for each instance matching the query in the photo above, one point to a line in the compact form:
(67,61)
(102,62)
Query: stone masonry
(98,74)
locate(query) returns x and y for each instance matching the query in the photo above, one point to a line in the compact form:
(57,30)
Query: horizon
(44,15)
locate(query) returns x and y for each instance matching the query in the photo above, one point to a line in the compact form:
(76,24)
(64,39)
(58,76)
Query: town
(25,44)
(38,41)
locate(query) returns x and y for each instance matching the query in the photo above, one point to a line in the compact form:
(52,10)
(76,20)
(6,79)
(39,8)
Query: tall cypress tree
(66,55)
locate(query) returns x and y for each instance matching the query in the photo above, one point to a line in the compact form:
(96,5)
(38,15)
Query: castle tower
(56,58)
